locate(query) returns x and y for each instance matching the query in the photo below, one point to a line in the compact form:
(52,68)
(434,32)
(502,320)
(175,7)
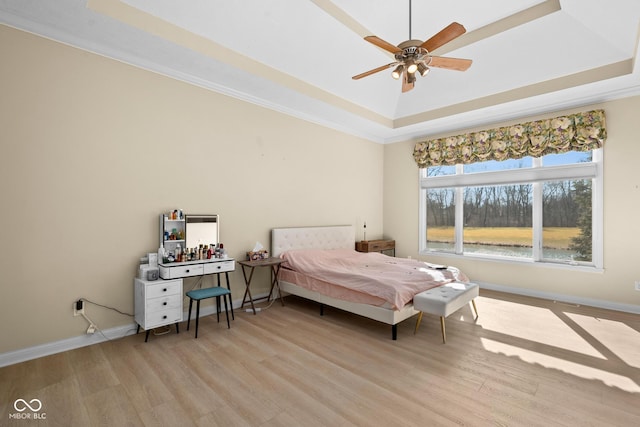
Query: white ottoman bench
(444,300)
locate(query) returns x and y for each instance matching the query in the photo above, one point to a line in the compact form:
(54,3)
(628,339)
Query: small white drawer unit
(157,303)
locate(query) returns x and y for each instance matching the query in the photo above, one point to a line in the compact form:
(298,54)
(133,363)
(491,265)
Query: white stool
(444,300)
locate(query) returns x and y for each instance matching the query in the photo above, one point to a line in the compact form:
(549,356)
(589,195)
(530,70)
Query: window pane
(567,158)
(441,170)
(494,165)
(498,220)
(566,234)
(441,219)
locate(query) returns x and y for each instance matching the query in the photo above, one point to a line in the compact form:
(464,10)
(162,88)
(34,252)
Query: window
(546,209)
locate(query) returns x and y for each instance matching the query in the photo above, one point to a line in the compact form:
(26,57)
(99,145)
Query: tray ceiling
(298,57)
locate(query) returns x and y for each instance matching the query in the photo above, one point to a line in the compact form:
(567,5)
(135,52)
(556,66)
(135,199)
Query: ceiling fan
(415,55)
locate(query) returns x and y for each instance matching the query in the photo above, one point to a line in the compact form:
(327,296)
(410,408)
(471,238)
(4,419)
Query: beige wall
(621,226)
(93,150)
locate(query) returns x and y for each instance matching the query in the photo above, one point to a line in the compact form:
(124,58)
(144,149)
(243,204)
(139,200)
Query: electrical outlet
(78,308)
(637,285)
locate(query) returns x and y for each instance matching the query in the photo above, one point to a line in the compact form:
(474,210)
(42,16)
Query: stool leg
(226,309)
(418,322)
(218,308)
(189,318)
(197,316)
(444,336)
(473,301)
(226,275)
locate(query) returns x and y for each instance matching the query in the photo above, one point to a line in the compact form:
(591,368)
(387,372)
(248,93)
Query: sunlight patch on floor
(618,338)
(532,323)
(571,368)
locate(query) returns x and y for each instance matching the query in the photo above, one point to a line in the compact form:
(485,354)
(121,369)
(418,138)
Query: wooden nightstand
(376,246)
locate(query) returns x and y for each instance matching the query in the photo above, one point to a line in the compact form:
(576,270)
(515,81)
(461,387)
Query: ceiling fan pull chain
(410,19)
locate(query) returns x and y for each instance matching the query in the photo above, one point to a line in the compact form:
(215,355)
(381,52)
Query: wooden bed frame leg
(394,332)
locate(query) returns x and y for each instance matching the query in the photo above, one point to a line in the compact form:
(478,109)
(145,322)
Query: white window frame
(536,175)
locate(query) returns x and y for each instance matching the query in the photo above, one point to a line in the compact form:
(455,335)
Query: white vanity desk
(159,302)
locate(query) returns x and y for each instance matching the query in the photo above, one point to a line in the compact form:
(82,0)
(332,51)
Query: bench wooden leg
(473,301)
(444,336)
(418,322)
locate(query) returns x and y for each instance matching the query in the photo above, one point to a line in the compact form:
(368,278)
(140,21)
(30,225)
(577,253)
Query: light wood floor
(525,362)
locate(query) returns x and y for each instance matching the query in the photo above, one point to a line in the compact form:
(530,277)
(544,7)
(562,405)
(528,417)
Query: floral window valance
(576,132)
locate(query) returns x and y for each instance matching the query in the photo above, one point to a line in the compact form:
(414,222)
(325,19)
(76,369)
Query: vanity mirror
(202,229)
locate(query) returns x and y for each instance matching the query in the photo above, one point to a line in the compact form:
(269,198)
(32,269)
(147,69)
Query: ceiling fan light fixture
(414,55)
(397,72)
(423,69)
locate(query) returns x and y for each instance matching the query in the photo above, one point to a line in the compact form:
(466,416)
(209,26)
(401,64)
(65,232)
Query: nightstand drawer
(382,245)
(171,287)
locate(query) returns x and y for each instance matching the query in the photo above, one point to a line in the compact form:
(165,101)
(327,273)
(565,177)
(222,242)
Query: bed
(330,288)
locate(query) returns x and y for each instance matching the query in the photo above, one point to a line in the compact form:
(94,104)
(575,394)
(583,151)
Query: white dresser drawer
(163,303)
(163,317)
(164,288)
(181,271)
(219,266)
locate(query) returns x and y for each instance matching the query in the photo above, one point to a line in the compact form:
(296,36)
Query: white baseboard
(47,349)
(30,353)
(609,305)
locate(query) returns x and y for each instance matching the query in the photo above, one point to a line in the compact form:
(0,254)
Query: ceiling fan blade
(375,70)
(383,44)
(450,32)
(407,82)
(450,63)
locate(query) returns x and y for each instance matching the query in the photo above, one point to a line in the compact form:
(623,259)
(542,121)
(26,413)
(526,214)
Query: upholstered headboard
(331,237)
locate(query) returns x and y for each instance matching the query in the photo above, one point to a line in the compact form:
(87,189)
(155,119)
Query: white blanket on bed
(395,280)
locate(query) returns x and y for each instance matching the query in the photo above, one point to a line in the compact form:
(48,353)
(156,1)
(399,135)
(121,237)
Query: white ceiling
(298,56)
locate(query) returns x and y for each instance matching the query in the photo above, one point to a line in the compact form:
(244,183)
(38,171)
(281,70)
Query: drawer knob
(186,271)
(164,317)
(219,267)
(164,290)
(164,303)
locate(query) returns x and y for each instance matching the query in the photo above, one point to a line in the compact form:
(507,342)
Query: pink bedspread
(395,280)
